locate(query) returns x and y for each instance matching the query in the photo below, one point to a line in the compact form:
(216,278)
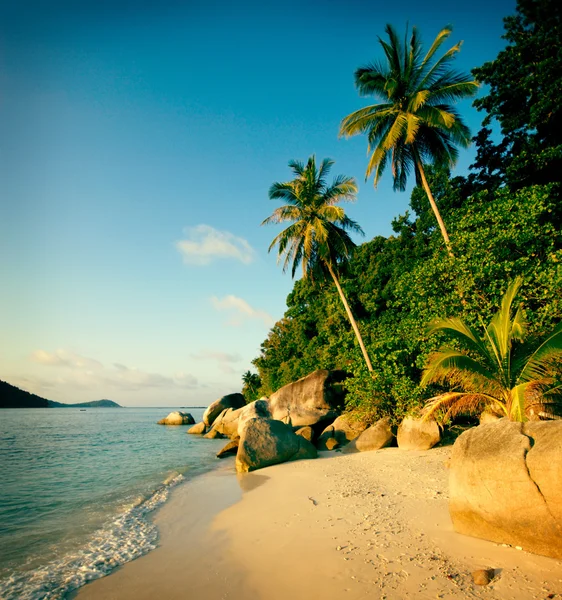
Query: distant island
(12,397)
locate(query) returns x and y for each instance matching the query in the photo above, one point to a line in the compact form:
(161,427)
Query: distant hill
(92,404)
(13,397)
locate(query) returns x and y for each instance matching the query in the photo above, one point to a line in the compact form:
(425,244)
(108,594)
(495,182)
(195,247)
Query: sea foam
(128,536)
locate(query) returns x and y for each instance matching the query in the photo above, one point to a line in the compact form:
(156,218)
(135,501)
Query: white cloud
(62,358)
(205,244)
(240,310)
(224,360)
(84,373)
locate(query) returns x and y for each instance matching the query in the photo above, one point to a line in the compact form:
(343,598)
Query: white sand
(370,525)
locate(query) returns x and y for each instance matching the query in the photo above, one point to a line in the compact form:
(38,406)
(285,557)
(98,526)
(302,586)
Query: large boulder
(505,483)
(177,418)
(230,449)
(258,409)
(267,442)
(418,434)
(198,429)
(344,429)
(227,422)
(313,400)
(375,437)
(214,409)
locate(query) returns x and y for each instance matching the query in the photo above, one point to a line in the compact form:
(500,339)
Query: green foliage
(252,385)
(524,84)
(498,370)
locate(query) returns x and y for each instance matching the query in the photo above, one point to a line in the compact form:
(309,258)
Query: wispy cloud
(83,372)
(223,360)
(240,310)
(205,244)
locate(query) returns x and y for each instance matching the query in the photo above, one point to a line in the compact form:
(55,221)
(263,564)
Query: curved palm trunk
(436,212)
(351,319)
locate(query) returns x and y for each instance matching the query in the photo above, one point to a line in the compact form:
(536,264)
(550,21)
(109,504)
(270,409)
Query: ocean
(78,488)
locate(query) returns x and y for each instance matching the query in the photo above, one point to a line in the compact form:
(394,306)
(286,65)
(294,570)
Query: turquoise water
(77,489)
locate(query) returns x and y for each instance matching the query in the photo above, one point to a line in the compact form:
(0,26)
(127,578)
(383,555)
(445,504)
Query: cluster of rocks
(505,477)
(297,421)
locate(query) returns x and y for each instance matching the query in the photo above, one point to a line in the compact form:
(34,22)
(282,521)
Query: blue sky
(137,145)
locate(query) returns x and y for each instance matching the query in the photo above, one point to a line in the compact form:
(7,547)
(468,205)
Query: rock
(505,482)
(230,448)
(258,409)
(197,429)
(375,437)
(213,434)
(330,443)
(488,417)
(315,399)
(177,418)
(344,429)
(483,576)
(416,434)
(267,442)
(214,409)
(306,432)
(227,422)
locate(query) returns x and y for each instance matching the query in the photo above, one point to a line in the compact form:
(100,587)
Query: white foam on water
(128,536)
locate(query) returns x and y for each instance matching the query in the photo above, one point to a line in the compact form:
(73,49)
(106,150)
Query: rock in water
(344,429)
(317,398)
(505,482)
(267,442)
(375,437)
(483,576)
(230,448)
(177,418)
(213,434)
(416,434)
(197,429)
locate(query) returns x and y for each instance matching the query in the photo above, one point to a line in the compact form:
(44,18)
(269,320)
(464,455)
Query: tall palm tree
(415,122)
(498,370)
(318,235)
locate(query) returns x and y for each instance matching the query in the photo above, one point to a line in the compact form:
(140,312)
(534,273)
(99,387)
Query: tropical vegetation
(415,122)
(499,370)
(318,236)
(504,218)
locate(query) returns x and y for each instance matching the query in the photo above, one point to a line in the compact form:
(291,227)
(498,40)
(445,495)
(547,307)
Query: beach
(371,524)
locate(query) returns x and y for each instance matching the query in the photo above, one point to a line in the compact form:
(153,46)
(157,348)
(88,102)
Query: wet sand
(368,525)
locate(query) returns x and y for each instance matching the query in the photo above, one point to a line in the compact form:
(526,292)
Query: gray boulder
(214,409)
(177,418)
(375,437)
(266,442)
(505,483)
(315,399)
(258,409)
(198,429)
(344,429)
(417,434)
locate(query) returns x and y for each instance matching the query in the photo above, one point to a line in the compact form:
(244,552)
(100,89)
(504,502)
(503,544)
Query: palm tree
(499,370)
(252,383)
(318,235)
(415,122)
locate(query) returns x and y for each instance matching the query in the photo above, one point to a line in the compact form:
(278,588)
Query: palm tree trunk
(436,212)
(351,319)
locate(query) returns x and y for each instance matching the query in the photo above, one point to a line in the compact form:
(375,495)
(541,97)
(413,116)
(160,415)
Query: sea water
(77,489)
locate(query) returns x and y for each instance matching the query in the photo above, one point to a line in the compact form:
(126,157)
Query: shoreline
(355,525)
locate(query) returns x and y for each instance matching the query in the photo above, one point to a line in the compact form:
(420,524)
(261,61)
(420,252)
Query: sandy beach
(373,524)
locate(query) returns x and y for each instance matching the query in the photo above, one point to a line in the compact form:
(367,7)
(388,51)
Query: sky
(138,141)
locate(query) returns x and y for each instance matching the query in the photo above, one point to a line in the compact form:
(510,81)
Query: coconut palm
(318,236)
(500,370)
(252,383)
(415,122)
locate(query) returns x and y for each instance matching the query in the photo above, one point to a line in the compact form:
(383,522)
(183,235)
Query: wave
(128,536)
